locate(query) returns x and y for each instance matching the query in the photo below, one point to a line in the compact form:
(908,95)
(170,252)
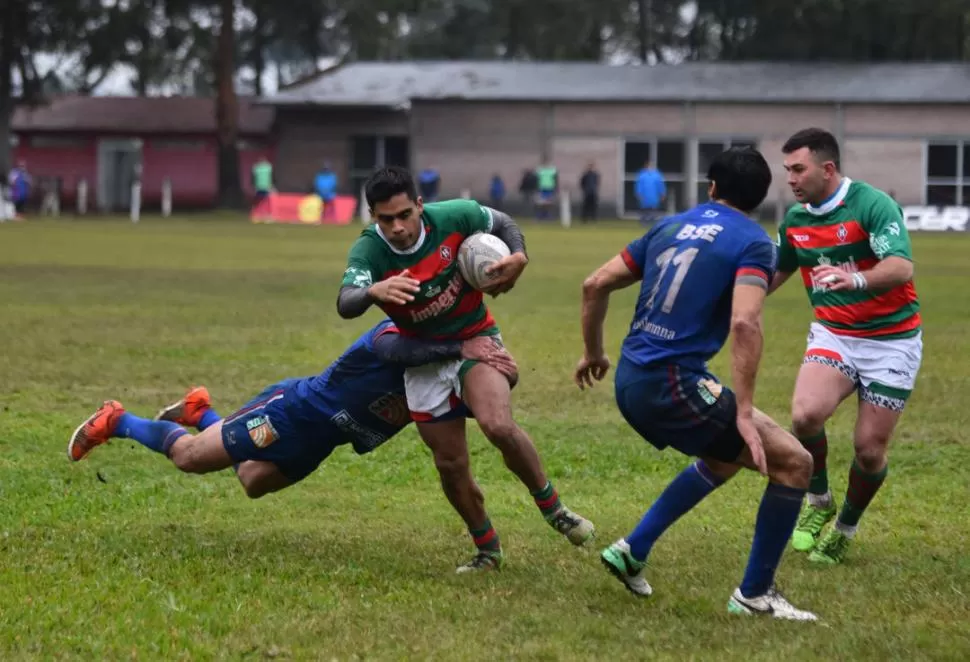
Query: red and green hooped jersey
(856,228)
(446,307)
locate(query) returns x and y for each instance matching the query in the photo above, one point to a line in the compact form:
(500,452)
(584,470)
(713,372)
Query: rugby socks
(155,435)
(548,501)
(684,492)
(209,417)
(818,446)
(774,526)
(486,538)
(862,488)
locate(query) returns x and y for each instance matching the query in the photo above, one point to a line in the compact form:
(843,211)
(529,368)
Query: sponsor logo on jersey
(432,291)
(364,439)
(261,431)
(442,302)
(359,277)
(392,408)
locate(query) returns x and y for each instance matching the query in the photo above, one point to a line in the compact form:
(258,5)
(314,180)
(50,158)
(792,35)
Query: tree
(227,109)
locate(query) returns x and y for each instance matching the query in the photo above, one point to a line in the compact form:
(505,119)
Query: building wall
(189,162)
(308,137)
(471,141)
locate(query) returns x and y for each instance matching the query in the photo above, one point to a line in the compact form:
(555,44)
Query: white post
(565,209)
(466,194)
(135,202)
(364,210)
(671,204)
(82,197)
(167,197)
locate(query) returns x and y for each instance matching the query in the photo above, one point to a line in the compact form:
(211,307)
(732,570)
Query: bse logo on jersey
(392,408)
(261,431)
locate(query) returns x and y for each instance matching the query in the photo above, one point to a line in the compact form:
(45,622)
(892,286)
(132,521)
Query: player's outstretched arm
(612,276)
(403,350)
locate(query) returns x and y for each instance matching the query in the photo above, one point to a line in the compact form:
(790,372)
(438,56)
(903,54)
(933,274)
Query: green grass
(357,562)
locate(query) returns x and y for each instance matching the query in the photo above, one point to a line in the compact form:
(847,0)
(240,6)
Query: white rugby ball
(478,252)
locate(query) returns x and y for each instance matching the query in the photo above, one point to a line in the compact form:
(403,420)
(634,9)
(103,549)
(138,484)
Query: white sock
(820,500)
(846,530)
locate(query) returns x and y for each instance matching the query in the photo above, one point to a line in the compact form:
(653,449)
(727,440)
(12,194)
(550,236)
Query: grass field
(358,561)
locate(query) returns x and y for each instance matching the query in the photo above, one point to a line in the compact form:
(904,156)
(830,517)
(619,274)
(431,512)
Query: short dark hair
(819,142)
(384,183)
(742,177)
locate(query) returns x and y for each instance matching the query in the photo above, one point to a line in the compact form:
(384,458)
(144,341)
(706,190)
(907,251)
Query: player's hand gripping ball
(476,254)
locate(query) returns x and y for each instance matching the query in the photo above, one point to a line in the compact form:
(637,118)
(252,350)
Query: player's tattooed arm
(353,301)
(505,228)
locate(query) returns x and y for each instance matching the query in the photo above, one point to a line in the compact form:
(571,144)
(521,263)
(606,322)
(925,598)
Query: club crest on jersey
(392,408)
(445,252)
(841,233)
(261,431)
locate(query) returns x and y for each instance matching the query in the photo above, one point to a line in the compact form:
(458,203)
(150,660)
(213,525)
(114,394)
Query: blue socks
(776,521)
(156,435)
(686,491)
(209,417)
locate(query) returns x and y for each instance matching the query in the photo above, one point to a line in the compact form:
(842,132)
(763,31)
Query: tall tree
(227,109)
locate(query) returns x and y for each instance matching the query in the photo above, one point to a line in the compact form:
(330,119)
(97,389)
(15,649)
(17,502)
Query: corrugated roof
(395,84)
(138,115)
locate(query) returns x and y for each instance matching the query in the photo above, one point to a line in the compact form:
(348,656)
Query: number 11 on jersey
(682,261)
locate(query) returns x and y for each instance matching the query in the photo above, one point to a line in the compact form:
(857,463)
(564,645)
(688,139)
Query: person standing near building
(262,184)
(429,182)
(325,186)
(589,184)
(651,192)
(19,181)
(548,180)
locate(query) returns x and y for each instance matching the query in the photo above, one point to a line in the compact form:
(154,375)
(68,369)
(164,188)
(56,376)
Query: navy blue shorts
(262,430)
(673,406)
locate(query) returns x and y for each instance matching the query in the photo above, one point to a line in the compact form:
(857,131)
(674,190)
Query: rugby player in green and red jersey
(406,263)
(850,244)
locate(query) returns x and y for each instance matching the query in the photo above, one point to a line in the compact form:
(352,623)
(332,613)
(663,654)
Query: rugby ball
(477,253)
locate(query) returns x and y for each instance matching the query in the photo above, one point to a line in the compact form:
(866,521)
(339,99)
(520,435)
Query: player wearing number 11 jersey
(704,274)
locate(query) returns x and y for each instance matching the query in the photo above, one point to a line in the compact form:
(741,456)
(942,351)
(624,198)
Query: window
(707,151)
(948,174)
(58,142)
(369,152)
(178,145)
(668,156)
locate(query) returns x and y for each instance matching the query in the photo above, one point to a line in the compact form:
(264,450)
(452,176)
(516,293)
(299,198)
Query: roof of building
(137,115)
(396,84)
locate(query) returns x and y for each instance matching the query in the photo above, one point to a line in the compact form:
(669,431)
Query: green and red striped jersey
(446,307)
(854,229)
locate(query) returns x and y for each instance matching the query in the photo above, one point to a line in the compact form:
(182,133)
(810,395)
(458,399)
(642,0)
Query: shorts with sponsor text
(884,371)
(434,389)
(261,430)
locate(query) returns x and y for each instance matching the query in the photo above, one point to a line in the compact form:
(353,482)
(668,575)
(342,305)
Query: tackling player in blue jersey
(283,434)
(704,274)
